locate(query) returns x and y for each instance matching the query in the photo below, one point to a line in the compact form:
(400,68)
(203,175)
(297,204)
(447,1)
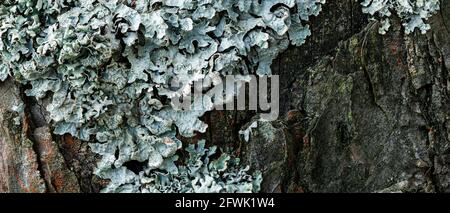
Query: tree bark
(360,112)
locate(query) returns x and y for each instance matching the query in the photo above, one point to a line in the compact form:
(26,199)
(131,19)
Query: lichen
(413,13)
(108,68)
(200,174)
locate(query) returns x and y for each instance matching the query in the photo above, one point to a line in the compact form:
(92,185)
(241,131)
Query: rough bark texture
(360,112)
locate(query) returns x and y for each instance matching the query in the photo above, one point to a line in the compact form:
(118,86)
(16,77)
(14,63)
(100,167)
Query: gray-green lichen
(200,174)
(106,65)
(413,13)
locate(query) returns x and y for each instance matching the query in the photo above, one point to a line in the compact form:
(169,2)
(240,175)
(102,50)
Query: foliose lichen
(413,13)
(200,174)
(106,66)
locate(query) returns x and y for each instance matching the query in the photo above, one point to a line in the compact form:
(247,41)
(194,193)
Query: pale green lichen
(106,66)
(413,13)
(200,174)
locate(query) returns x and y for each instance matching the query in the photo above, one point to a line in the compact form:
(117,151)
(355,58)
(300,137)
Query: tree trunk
(360,112)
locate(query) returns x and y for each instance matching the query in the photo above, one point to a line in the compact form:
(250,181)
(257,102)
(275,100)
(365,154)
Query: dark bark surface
(360,112)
